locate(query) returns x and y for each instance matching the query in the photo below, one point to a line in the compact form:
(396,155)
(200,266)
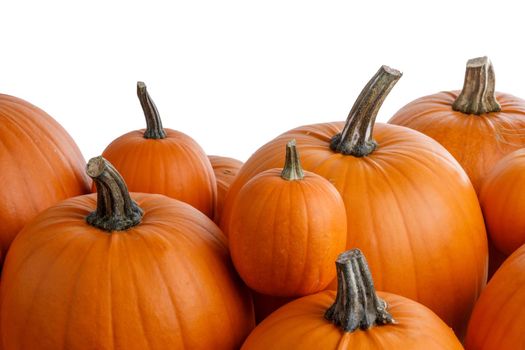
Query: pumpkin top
(478,95)
(356,137)
(154,128)
(116,211)
(356,304)
(292,169)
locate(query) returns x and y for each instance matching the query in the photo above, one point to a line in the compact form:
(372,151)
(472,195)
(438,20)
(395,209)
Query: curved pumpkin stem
(356,304)
(356,137)
(154,128)
(292,169)
(479,90)
(116,211)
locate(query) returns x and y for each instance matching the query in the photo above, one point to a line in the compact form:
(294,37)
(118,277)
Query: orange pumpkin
(477,125)
(40,165)
(225,170)
(502,200)
(165,161)
(105,271)
(498,319)
(288,226)
(357,319)
(410,206)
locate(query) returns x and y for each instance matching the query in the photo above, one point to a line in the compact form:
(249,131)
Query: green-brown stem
(292,169)
(356,137)
(154,128)
(478,95)
(356,304)
(116,211)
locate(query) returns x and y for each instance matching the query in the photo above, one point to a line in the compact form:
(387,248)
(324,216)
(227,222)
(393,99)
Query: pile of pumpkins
(155,245)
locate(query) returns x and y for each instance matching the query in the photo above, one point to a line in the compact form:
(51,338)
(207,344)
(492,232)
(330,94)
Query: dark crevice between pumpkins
(356,304)
(479,89)
(356,138)
(292,169)
(116,211)
(154,128)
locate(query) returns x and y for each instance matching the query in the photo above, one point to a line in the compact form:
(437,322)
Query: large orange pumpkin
(477,125)
(165,161)
(40,165)
(410,206)
(357,319)
(288,226)
(225,170)
(498,319)
(112,273)
(502,200)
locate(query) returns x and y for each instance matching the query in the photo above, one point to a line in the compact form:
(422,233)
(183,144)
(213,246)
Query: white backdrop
(234,74)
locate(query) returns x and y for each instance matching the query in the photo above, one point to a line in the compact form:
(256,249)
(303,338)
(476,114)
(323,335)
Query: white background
(234,74)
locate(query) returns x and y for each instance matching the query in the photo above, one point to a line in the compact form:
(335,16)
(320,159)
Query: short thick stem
(356,304)
(356,137)
(478,95)
(292,169)
(116,211)
(154,128)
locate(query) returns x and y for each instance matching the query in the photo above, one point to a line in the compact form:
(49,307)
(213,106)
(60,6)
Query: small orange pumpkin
(502,199)
(357,319)
(288,226)
(165,161)
(110,271)
(410,206)
(225,170)
(40,166)
(498,319)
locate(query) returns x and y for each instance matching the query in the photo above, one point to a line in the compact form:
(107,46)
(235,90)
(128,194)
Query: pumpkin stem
(116,211)
(356,304)
(478,95)
(154,128)
(356,137)
(292,169)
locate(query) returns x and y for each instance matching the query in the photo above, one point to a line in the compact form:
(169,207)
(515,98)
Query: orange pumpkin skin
(40,166)
(502,200)
(498,319)
(478,142)
(409,201)
(286,234)
(175,166)
(167,283)
(225,170)
(301,325)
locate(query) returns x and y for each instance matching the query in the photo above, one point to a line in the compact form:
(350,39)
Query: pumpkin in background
(107,272)
(165,161)
(225,170)
(40,166)
(354,318)
(288,226)
(410,206)
(477,125)
(498,319)
(502,200)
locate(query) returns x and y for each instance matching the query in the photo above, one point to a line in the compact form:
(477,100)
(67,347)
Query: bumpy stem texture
(356,137)
(116,211)
(478,95)
(292,169)
(356,304)
(154,128)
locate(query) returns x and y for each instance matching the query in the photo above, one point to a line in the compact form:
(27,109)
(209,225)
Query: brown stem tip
(154,128)
(478,95)
(116,211)
(356,304)
(356,137)
(292,169)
